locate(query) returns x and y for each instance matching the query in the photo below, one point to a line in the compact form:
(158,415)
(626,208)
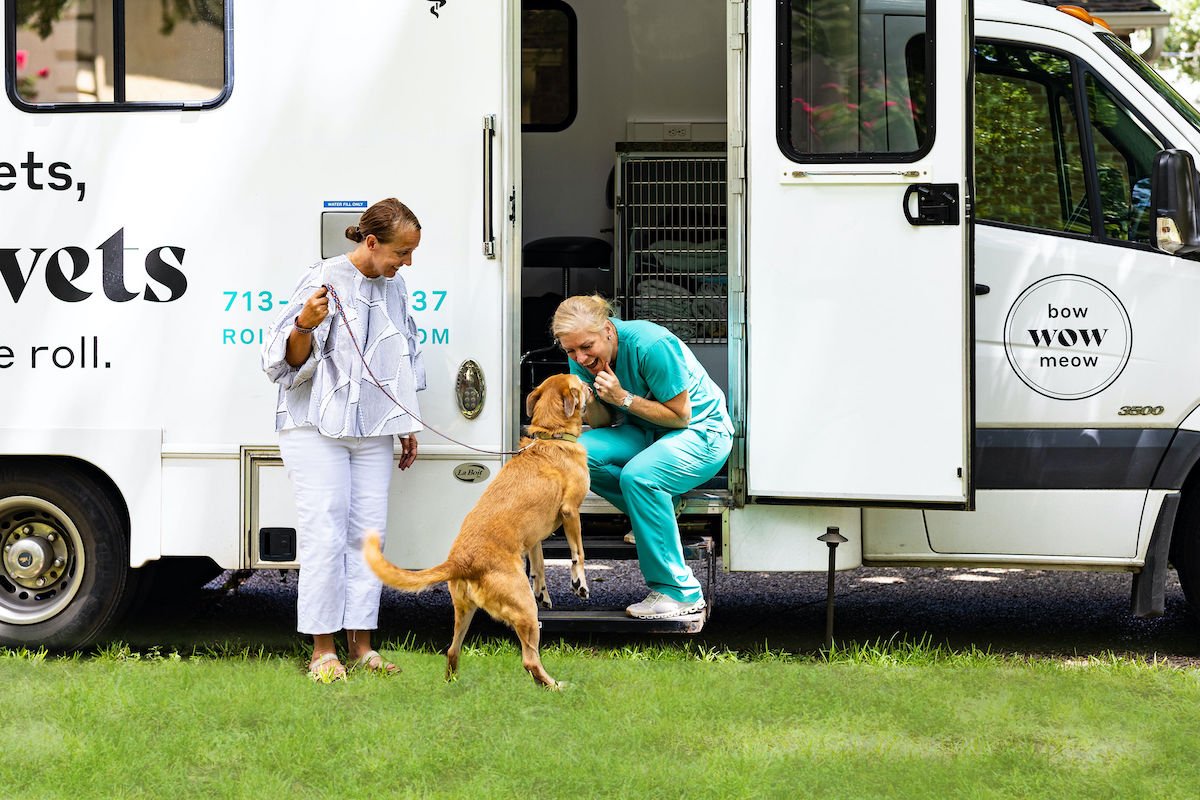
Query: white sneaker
(658,606)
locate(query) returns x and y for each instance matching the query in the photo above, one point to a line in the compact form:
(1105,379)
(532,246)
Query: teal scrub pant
(642,476)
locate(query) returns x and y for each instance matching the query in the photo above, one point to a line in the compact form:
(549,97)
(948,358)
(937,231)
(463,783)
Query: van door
(1080,335)
(858,280)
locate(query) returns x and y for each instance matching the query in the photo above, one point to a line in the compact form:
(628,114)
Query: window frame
(572,63)
(10,72)
(1079,72)
(783,101)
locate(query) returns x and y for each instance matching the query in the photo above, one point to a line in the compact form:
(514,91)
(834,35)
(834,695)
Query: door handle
(489,233)
(937,204)
(982,288)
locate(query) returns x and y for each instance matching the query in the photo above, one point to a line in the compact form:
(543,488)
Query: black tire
(52,513)
(1185,547)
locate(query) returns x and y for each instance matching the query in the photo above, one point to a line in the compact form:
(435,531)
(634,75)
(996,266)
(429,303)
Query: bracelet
(303,329)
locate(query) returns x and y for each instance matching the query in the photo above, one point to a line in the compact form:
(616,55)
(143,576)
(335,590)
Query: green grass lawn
(643,722)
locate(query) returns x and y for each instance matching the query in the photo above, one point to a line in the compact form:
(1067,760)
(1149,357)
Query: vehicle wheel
(1185,547)
(64,557)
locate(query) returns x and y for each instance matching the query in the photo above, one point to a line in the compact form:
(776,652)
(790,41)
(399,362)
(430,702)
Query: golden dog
(535,492)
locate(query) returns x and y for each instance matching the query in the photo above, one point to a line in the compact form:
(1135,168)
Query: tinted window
(548,65)
(853,82)
(147,53)
(1124,151)
(1028,155)
(1039,159)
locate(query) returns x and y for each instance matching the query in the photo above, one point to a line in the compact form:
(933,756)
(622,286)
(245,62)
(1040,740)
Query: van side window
(1025,131)
(1029,125)
(80,55)
(1124,149)
(845,88)
(549,72)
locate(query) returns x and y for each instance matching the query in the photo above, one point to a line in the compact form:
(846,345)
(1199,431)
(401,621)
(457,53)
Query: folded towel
(668,304)
(679,256)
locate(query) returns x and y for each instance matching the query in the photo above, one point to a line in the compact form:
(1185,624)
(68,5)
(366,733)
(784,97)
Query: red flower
(22,56)
(44,72)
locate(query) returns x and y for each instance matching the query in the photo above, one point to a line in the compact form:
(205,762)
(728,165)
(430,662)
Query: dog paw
(581,589)
(545,602)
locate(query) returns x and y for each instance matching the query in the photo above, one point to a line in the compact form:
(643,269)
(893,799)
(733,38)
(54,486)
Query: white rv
(957,328)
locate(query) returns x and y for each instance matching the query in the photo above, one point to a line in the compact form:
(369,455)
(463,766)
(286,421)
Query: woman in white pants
(337,418)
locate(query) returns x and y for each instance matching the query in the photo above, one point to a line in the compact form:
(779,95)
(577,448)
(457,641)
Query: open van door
(858,272)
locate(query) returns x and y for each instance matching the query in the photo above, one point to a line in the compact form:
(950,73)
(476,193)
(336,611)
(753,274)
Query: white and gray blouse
(331,390)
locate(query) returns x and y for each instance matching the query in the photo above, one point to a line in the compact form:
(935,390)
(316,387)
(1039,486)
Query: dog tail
(408,580)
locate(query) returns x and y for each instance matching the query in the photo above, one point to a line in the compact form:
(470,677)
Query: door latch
(937,204)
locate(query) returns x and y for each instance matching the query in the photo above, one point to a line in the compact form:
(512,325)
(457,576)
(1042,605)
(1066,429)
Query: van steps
(612,549)
(617,621)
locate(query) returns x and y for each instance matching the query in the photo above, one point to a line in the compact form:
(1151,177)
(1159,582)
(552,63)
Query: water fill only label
(346,205)
(1068,337)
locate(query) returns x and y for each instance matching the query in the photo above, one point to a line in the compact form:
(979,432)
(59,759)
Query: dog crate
(671,243)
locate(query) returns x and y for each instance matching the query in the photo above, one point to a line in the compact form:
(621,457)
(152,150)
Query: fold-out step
(617,621)
(610,549)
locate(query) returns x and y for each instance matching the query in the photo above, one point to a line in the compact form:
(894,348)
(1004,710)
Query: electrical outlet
(677,130)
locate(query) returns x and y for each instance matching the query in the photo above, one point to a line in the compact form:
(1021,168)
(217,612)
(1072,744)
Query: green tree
(40,15)
(1183,36)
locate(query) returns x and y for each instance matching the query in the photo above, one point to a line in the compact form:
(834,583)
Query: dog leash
(362,357)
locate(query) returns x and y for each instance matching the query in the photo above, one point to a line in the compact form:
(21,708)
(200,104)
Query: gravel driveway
(1039,612)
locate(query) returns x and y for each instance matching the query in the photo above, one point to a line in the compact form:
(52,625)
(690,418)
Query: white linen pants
(341,488)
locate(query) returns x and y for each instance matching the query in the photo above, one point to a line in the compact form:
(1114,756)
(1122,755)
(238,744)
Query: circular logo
(24,560)
(1068,337)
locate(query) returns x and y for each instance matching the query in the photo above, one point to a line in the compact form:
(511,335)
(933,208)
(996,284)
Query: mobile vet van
(939,258)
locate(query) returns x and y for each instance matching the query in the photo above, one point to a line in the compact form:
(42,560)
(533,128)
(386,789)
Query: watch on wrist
(628,401)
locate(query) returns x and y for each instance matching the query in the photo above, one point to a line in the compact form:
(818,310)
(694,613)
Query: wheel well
(85,468)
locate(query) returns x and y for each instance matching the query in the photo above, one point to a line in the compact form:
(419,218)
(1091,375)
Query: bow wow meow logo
(1068,337)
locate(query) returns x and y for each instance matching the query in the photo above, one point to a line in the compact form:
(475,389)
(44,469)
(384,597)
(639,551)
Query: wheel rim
(41,560)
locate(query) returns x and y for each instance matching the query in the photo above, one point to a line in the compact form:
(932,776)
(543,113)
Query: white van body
(145,249)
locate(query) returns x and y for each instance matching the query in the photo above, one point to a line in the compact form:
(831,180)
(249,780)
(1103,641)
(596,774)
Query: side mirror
(1173,201)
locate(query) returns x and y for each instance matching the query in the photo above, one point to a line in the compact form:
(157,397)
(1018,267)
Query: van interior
(623,169)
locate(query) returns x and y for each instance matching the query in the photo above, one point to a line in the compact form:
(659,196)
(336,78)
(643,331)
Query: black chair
(572,252)
(567,253)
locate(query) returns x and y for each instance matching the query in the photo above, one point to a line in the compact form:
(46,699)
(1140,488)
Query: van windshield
(1156,81)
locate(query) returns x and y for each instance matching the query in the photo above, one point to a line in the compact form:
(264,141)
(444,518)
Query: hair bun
(354,234)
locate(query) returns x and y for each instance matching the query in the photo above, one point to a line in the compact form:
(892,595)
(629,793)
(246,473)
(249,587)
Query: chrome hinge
(737,166)
(737,472)
(737,24)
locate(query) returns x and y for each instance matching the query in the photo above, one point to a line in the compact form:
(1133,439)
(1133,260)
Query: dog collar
(566,437)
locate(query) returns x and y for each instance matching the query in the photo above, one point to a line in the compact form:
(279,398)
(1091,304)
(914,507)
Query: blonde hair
(587,313)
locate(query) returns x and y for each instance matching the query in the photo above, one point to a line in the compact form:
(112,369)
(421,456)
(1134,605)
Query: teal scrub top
(653,363)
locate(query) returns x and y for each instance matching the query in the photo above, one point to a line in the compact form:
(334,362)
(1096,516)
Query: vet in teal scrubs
(642,468)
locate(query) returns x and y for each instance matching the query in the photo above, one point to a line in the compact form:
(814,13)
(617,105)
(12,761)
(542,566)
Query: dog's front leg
(537,571)
(574,533)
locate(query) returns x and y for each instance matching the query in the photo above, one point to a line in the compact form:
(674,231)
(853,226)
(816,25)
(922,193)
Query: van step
(617,621)
(610,549)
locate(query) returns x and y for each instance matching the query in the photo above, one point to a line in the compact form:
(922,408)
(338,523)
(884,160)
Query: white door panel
(857,360)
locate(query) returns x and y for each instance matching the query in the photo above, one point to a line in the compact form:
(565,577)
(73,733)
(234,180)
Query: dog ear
(570,400)
(531,401)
